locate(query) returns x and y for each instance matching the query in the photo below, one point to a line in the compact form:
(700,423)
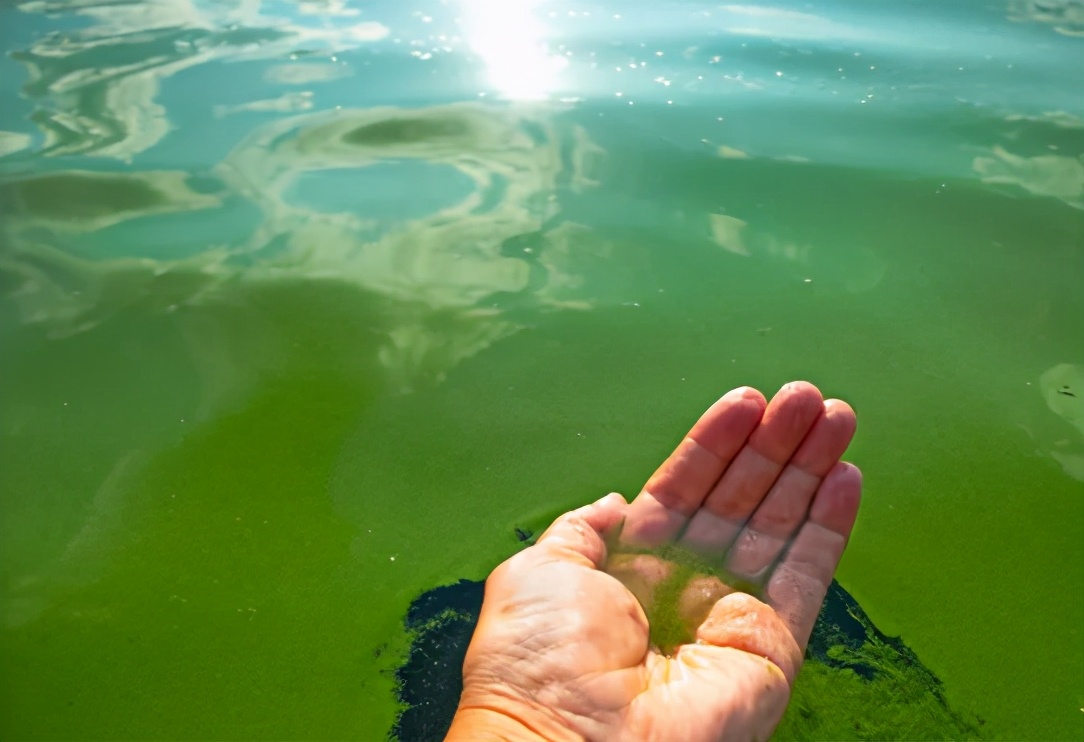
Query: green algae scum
(313,312)
(875,685)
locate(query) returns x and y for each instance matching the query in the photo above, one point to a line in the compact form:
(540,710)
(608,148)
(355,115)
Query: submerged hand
(564,648)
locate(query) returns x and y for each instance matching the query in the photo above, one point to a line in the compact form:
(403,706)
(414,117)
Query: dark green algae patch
(856,684)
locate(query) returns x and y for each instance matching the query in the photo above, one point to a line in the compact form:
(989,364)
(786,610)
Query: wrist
(485,724)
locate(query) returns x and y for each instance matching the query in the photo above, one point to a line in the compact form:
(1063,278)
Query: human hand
(753,500)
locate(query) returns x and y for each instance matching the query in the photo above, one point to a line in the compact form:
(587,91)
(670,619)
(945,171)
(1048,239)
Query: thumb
(583,531)
(742,622)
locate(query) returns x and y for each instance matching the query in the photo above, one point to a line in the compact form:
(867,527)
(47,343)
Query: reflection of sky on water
(1057,176)
(97,86)
(1065,16)
(492,230)
(271,103)
(94,73)
(1062,388)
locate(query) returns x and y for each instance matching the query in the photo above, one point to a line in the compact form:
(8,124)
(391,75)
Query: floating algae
(676,587)
(1062,388)
(878,687)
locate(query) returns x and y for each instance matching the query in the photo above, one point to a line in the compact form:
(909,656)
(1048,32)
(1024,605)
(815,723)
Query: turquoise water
(305,306)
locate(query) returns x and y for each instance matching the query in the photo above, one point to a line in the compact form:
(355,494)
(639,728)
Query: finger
(679,486)
(581,532)
(786,422)
(798,585)
(742,622)
(784,508)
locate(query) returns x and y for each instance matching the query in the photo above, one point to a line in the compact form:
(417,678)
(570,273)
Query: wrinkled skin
(562,649)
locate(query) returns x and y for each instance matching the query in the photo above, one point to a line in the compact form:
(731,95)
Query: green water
(295,325)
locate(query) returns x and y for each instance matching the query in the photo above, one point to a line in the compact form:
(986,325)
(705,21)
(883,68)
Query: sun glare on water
(510,40)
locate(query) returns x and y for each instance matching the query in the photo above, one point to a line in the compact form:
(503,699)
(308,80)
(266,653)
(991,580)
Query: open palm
(564,648)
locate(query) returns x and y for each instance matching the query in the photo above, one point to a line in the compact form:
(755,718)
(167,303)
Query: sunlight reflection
(511,41)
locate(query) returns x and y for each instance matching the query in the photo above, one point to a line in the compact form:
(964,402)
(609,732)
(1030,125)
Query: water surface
(305,306)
